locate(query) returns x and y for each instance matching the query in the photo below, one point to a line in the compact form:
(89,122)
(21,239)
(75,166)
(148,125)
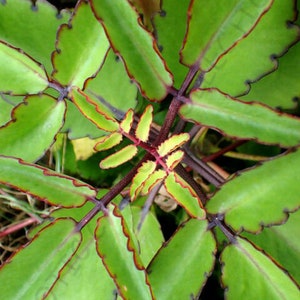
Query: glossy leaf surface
(19,73)
(183,194)
(19,32)
(44,184)
(119,157)
(274,192)
(92,111)
(35,269)
(134,43)
(214,30)
(245,120)
(120,257)
(194,248)
(281,244)
(271,37)
(81,47)
(265,279)
(34,122)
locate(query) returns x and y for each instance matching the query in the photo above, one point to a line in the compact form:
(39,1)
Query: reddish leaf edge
(51,173)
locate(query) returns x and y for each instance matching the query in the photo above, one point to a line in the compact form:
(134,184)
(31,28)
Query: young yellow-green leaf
(143,127)
(214,29)
(184,195)
(141,176)
(281,244)
(33,127)
(109,141)
(240,119)
(152,180)
(38,265)
(194,247)
(45,184)
(172,143)
(126,123)
(93,112)
(81,47)
(174,159)
(273,193)
(119,158)
(116,248)
(136,46)
(20,74)
(247,272)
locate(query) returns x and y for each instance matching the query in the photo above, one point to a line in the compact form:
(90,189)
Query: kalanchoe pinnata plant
(122,114)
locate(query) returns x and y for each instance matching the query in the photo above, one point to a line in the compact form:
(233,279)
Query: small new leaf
(119,157)
(143,128)
(108,141)
(172,143)
(174,159)
(126,124)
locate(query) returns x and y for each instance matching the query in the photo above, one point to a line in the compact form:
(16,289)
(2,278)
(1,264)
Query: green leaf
(92,111)
(120,257)
(126,123)
(38,265)
(44,19)
(143,173)
(85,262)
(281,87)
(185,262)
(184,195)
(172,143)
(80,49)
(134,44)
(273,193)
(214,29)
(170,33)
(34,122)
(149,236)
(119,157)
(280,243)
(109,141)
(247,272)
(143,127)
(253,56)
(20,74)
(112,87)
(239,119)
(45,184)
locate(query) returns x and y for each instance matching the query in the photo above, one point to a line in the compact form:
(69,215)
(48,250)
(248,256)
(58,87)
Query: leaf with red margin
(108,141)
(143,127)
(247,270)
(33,127)
(172,143)
(194,247)
(248,120)
(81,47)
(119,158)
(92,111)
(184,195)
(126,123)
(20,74)
(32,271)
(214,29)
(141,176)
(152,180)
(45,184)
(120,257)
(274,191)
(136,46)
